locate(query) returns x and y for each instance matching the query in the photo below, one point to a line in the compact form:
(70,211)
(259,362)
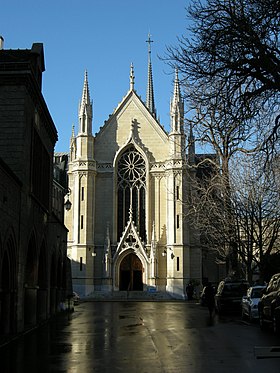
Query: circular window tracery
(131,169)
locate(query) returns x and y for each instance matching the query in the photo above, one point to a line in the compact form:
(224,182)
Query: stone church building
(128,186)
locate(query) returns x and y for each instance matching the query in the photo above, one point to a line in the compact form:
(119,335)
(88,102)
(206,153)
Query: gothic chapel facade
(127,186)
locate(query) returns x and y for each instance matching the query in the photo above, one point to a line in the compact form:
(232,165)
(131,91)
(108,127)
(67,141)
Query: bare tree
(244,237)
(219,127)
(256,200)
(232,46)
(230,68)
(206,208)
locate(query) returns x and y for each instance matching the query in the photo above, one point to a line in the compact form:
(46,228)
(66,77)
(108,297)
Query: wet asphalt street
(156,337)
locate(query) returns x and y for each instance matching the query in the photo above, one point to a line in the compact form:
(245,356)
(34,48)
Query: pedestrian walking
(189,291)
(210,298)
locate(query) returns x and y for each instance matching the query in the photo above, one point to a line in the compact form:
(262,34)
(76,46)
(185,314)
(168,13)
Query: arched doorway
(8,286)
(42,292)
(53,284)
(7,295)
(131,272)
(30,284)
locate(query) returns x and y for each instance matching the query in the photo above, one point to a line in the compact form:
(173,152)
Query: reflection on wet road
(154,337)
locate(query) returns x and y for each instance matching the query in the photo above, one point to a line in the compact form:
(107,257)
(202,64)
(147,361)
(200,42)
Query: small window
(82,221)
(177,192)
(178,221)
(178,263)
(82,194)
(81,263)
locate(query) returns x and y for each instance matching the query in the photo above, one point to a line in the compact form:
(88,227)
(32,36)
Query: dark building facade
(34,271)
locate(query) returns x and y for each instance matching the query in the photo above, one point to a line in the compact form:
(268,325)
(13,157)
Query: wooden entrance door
(131,272)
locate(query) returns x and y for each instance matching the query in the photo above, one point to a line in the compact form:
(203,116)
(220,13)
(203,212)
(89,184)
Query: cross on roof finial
(150,90)
(131,77)
(149,41)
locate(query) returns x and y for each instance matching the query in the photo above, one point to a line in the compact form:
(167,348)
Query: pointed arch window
(131,182)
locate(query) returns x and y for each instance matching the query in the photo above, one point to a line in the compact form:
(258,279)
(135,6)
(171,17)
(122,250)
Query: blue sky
(102,37)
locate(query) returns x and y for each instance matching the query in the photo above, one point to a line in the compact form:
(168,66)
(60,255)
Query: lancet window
(131,186)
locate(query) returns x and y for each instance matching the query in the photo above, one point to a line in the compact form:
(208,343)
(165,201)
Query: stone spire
(131,77)
(85,110)
(191,145)
(177,107)
(150,102)
(1,42)
(177,134)
(73,145)
(85,94)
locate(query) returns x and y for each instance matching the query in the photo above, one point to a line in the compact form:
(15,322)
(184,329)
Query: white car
(249,304)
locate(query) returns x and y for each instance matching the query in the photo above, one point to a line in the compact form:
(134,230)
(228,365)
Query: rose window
(131,169)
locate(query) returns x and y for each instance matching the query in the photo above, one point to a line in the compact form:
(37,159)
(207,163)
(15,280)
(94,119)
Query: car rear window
(256,293)
(235,290)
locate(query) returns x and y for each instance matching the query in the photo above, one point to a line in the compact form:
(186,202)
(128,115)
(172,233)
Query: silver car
(249,304)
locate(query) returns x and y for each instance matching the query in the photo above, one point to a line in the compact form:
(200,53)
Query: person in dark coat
(189,291)
(210,298)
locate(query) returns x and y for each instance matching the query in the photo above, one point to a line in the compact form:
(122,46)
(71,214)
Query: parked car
(249,304)
(229,295)
(269,304)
